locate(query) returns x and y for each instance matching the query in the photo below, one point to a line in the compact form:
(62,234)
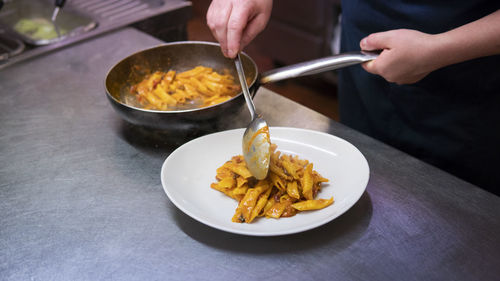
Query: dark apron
(451,118)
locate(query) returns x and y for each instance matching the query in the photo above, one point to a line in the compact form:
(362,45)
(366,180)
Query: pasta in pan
(198,87)
(290,187)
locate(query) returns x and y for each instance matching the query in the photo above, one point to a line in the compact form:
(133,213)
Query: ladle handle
(317,66)
(59,4)
(244,86)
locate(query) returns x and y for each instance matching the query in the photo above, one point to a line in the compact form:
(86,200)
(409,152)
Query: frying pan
(181,56)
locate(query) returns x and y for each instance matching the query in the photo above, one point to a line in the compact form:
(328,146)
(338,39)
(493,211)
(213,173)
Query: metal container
(9,46)
(30,20)
(178,56)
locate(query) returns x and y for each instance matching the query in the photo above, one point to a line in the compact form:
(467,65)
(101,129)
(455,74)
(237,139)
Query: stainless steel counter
(81,198)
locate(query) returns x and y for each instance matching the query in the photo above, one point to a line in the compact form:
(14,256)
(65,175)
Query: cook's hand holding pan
(186,55)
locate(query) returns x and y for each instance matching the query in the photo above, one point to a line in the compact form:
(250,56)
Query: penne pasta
(198,87)
(290,187)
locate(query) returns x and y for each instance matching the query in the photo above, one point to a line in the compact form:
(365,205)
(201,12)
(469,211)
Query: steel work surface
(81,198)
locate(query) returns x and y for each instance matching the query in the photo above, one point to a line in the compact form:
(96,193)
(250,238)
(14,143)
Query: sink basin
(83,19)
(30,21)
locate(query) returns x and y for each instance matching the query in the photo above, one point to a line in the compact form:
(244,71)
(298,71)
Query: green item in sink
(37,28)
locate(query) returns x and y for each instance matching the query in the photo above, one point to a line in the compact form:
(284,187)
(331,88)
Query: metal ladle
(58,6)
(256,139)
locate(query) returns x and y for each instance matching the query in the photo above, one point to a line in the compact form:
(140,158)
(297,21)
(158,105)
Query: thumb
(370,67)
(374,41)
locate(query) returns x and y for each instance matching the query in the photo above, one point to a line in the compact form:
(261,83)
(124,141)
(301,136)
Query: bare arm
(235,23)
(409,55)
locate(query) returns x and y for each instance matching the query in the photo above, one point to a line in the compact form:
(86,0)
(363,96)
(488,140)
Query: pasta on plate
(290,187)
(198,87)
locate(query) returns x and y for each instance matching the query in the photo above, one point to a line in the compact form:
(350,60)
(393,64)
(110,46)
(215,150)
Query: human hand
(235,23)
(407,55)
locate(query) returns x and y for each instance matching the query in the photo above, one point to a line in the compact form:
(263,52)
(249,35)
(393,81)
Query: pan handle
(317,66)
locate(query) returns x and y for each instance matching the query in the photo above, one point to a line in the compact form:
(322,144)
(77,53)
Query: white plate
(187,173)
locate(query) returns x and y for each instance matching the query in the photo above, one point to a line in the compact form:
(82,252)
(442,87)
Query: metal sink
(30,21)
(83,19)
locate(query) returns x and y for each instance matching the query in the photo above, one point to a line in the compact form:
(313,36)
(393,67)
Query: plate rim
(261,233)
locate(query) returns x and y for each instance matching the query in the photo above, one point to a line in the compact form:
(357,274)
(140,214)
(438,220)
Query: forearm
(474,40)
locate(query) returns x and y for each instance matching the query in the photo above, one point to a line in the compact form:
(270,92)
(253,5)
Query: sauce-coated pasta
(194,88)
(290,187)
